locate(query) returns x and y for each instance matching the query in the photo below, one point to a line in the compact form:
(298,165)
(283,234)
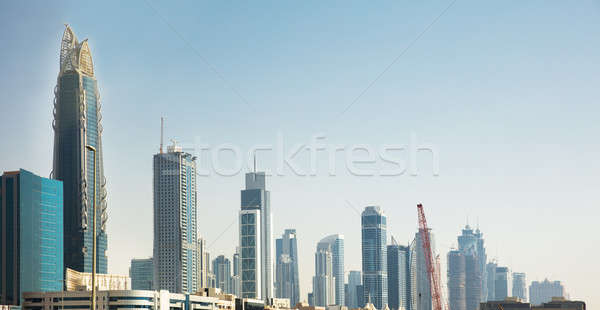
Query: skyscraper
(374,256)
(471,251)
(324,279)
(141,273)
(222,271)
(287,283)
(519,289)
(541,292)
(31,235)
(76,125)
(491,280)
(337,252)
(354,283)
(398,276)
(236,279)
(501,283)
(256,241)
(457,280)
(420,288)
(175,227)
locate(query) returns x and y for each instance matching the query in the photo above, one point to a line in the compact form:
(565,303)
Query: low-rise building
(120,299)
(561,303)
(82,281)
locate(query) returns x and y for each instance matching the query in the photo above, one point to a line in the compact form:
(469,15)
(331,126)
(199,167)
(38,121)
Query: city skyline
(287,202)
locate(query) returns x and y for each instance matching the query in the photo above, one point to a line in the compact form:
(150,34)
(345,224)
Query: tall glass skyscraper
(519,285)
(470,269)
(374,256)
(398,276)
(501,283)
(31,235)
(336,243)
(354,294)
(222,271)
(324,280)
(141,273)
(287,283)
(176,243)
(77,124)
(256,239)
(420,288)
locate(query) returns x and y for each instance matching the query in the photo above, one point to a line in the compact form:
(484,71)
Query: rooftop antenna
(162,129)
(255,162)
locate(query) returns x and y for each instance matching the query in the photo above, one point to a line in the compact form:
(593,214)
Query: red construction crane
(436,291)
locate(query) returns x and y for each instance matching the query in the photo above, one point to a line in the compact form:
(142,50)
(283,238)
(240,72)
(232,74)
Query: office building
(236,284)
(470,244)
(420,288)
(519,289)
(501,283)
(222,271)
(141,273)
(203,263)
(491,280)
(543,291)
(127,299)
(354,294)
(336,243)
(175,224)
(398,272)
(505,304)
(374,256)
(457,280)
(31,235)
(287,281)
(77,125)
(256,241)
(324,289)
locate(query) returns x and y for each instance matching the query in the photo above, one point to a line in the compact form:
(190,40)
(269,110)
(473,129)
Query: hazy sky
(507,93)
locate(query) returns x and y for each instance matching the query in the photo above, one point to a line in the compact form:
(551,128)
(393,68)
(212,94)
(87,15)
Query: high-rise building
(141,273)
(544,291)
(77,125)
(175,224)
(501,283)
(236,279)
(374,256)
(354,281)
(287,282)
(519,289)
(203,264)
(324,280)
(470,244)
(222,271)
(398,276)
(420,288)
(491,280)
(337,251)
(457,279)
(31,235)
(256,241)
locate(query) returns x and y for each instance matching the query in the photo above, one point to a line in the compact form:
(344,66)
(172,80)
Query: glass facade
(398,276)
(374,256)
(250,253)
(287,281)
(32,225)
(177,252)
(141,274)
(77,124)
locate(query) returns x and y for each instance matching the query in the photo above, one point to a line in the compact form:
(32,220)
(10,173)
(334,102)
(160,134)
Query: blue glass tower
(31,235)
(374,256)
(77,124)
(398,268)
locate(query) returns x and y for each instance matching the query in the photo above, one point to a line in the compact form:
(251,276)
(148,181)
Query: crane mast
(432,266)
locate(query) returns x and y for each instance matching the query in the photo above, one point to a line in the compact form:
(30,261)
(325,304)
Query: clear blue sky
(508,92)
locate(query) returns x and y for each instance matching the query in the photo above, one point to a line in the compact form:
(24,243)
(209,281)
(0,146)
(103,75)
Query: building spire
(254,162)
(162,128)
